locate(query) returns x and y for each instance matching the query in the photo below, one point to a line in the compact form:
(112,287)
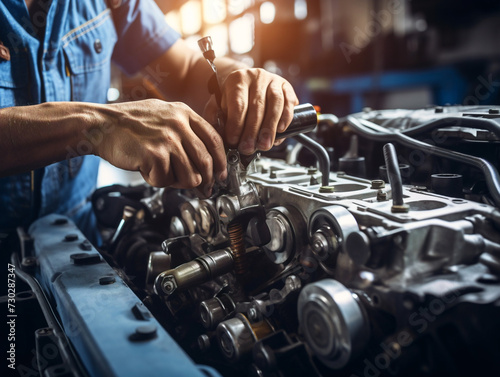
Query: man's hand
(167,142)
(257,104)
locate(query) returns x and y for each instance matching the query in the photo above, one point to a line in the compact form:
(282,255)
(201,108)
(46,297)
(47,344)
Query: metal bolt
(272,174)
(70,237)
(232,158)
(85,258)
(146,332)
(105,280)
(327,189)
(320,245)
(317,246)
(312,171)
(252,314)
(29,261)
(168,286)
(378,184)
(313,180)
(203,342)
(438,110)
(403,208)
(60,222)
(86,245)
(45,331)
(293,282)
(381,195)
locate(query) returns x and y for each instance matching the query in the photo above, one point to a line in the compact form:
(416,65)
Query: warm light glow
(241,36)
(219,39)
(192,42)
(214,11)
(191,17)
(300,9)
(173,19)
(113,94)
(267,12)
(238,6)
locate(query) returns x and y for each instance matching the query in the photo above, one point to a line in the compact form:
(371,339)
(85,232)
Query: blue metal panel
(98,318)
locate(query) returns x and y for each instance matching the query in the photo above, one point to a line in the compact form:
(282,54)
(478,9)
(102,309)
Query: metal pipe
(305,119)
(320,153)
(375,132)
(391,162)
(198,271)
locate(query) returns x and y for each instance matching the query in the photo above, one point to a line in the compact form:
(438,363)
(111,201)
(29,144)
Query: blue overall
(71,62)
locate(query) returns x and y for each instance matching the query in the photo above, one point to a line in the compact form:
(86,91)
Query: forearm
(196,84)
(182,74)
(35,136)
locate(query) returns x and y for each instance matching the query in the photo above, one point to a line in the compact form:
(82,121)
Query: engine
(370,248)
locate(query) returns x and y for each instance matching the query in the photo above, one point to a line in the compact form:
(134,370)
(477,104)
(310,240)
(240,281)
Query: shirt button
(98,46)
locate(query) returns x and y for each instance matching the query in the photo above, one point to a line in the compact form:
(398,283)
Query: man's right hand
(167,142)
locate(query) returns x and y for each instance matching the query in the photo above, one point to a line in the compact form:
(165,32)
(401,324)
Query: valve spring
(237,247)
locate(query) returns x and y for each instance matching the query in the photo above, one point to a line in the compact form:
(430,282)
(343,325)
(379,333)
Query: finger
(212,142)
(255,116)
(291,101)
(156,171)
(274,108)
(187,176)
(210,114)
(278,142)
(200,158)
(235,103)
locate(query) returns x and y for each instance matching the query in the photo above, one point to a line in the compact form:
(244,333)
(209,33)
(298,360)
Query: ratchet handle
(305,119)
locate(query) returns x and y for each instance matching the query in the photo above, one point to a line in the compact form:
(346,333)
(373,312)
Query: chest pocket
(88,49)
(14,81)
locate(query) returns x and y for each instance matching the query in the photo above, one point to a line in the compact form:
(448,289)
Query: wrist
(97,123)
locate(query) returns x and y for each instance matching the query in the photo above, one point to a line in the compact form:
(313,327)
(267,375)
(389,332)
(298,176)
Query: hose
(391,162)
(375,132)
(321,155)
(469,122)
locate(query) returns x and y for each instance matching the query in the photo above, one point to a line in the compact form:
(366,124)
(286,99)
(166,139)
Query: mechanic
(55,61)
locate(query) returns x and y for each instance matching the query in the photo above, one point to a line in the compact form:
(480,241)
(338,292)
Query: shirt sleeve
(143,34)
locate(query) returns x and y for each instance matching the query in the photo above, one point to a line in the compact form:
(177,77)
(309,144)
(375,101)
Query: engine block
(384,261)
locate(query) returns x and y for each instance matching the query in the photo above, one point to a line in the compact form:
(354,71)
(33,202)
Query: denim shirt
(71,63)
